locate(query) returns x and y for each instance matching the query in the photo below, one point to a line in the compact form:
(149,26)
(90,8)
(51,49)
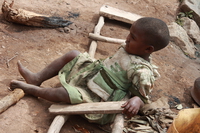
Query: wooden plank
(87,108)
(117,14)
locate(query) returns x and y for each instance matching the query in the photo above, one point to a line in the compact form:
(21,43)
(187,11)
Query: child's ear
(149,49)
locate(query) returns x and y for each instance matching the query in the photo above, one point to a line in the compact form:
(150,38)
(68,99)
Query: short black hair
(155,30)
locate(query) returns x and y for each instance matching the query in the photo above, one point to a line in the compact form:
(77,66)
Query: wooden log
(11,99)
(117,14)
(87,108)
(97,29)
(57,123)
(105,39)
(25,17)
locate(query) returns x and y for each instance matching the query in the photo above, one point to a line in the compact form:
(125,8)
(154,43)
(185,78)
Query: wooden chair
(63,111)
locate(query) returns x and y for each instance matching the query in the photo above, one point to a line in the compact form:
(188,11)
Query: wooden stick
(105,39)
(117,14)
(7,62)
(97,29)
(10,99)
(57,123)
(87,108)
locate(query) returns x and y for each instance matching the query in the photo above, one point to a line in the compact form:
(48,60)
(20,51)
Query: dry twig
(7,62)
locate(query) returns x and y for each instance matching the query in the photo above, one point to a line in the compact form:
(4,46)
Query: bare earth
(36,47)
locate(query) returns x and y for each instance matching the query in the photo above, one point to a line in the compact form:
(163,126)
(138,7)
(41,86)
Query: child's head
(146,36)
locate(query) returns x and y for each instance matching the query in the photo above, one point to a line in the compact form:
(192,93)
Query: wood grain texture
(88,108)
(117,14)
(11,99)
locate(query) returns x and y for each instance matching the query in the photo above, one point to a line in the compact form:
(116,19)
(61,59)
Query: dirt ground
(36,47)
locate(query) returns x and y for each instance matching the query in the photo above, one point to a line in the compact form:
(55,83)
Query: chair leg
(118,124)
(57,123)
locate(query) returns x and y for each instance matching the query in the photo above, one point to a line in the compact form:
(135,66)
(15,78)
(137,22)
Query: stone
(192,5)
(192,29)
(179,36)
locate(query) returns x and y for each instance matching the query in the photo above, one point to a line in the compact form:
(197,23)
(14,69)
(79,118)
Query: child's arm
(132,106)
(142,78)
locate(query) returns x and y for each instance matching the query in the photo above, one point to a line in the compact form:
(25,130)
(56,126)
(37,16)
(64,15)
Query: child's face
(135,41)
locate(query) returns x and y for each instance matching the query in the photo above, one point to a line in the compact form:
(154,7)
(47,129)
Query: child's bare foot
(52,94)
(27,88)
(30,77)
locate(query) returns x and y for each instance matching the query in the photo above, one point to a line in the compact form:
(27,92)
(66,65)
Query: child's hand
(132,106)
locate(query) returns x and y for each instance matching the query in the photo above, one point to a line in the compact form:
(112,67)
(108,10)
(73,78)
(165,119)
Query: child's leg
(59,94)
(49,71)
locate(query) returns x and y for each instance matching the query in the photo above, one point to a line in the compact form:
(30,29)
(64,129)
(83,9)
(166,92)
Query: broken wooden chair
(63,111)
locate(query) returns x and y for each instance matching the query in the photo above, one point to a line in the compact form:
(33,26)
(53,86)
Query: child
(195,91)
(85,80)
